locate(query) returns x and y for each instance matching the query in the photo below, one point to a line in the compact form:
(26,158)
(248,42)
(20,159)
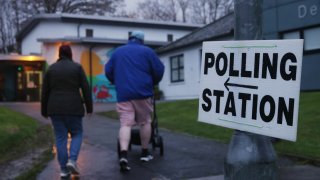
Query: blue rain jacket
(134,69)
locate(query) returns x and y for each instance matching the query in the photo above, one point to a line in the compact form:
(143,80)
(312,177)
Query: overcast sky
(132,4)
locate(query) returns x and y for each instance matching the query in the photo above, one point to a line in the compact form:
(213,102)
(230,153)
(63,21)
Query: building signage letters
(304,10)
(252,86)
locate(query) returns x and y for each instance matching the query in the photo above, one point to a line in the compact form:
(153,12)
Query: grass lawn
(308,141)
(19,134)
(181,116)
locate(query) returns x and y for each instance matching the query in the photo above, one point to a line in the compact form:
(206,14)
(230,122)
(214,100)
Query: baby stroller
(156,140)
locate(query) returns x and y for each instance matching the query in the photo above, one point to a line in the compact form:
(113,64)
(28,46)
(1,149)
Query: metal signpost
(253,87)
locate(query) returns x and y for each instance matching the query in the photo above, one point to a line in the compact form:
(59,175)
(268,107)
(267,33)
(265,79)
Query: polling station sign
(252,86)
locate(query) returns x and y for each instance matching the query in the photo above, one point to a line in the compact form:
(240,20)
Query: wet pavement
(185,156)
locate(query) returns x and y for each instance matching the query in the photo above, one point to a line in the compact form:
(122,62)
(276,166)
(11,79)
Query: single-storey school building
(92,39)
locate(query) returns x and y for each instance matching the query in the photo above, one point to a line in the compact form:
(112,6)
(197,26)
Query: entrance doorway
(21,80)
(33,85)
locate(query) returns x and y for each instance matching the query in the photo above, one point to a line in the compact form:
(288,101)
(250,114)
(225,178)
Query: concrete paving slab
(98,163)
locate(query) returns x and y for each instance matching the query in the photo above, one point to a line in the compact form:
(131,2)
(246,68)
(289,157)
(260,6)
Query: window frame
(178,69)
(89,33)
(169,37)
(302,34)
(200,62)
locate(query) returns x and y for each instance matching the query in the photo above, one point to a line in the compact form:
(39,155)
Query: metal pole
(250,156)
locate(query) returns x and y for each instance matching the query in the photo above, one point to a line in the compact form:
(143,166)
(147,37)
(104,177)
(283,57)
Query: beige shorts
(135,112)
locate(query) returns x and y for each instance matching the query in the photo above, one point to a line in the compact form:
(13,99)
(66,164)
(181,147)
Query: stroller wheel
(161,146)
(130,146)
(153,143)
(157,142)
(118,148)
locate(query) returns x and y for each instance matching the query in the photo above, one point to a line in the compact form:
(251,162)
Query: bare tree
(15,8)
(195,11)
(161,10)
(150,10)
(100,7)
(164,10)
(7,26)
(184,6)
(199,12)
(2,36)
(213,9)
(207,11)
(227,6)
(171,8)
(13,13)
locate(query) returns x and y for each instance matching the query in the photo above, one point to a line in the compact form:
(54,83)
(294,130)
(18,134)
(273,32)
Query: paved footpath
(185,156)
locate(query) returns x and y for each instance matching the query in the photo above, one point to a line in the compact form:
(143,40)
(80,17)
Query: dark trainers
(146,156)
(64,173)
(124,167)
(73,168)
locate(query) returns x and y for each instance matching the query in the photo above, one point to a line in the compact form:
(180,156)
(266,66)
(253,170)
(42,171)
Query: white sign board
(252,86)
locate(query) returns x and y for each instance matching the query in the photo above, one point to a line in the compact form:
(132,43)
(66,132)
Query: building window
(177,68)
(292,35)
(170,37)
(129,33)
(89,32)
(311,39)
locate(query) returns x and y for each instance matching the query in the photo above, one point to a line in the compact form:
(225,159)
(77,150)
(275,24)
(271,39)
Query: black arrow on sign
(226,84)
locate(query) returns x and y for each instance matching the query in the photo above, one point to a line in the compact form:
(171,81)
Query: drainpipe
(78,29)
(90,64)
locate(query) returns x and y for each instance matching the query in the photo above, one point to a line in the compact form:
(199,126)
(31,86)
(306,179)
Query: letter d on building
(302,11)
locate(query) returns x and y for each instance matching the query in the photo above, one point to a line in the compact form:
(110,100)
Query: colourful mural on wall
(102,89)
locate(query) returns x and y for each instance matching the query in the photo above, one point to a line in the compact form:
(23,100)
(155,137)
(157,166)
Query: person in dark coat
(65,98)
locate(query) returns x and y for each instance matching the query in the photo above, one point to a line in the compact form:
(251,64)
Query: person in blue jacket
(134,69)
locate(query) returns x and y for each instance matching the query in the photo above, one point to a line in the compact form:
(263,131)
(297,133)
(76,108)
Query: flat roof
(4,57)
(100,41)
(121,20)
(95,19)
